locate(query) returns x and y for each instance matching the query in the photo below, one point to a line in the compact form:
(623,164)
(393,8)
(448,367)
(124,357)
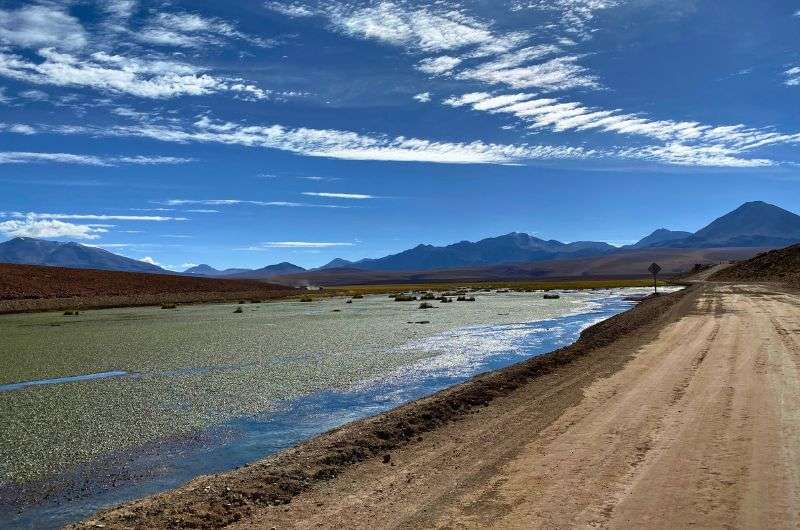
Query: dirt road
(700,429)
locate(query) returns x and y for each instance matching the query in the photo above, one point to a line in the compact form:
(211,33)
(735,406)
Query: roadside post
(654,269)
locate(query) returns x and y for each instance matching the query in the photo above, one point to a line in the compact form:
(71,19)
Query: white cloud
(466,99)
(89,217)
(793,76)
(35,95)
(438,65)
(60,158)
(39,26)
(235,202)
(687,143)
(574,15)
(298,244)
(694,155)
(150,260)
(423,97)
(560,73)
(121,9)
(49,228)
(420,28)
(23,157)
(356,196)
(331,143)
(21,128)
(152,160)
(146,78)
(290,9)
(3,98)
(192,30)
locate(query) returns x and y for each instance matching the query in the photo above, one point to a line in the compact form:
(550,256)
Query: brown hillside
(32,287)
(782,265)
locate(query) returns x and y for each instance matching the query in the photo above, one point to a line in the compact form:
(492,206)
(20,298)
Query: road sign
(654,269)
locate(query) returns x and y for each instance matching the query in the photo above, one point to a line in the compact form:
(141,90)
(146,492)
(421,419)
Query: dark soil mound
(781,265)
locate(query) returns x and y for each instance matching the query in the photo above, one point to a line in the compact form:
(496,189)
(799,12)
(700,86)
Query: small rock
(387,458)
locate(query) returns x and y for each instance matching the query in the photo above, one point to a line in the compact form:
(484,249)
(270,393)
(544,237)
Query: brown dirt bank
(546,386)
(34,288)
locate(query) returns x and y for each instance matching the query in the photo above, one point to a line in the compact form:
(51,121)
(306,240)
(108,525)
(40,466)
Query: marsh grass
(405,298)
(462,288)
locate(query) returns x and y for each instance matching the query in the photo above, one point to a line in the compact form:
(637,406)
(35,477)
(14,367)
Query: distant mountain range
(32,251)
(507,248)
(752,225)
(660,237)
(269,271)
(251,274)
(207,270)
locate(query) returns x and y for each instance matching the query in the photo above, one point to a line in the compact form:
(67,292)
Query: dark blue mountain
(513,247)
(32,251)
(753,224)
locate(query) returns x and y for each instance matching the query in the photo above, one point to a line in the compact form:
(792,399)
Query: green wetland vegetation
(193,367)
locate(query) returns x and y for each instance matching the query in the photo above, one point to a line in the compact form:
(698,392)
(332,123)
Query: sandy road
(698,426)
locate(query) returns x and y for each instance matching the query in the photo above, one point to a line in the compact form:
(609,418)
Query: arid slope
(782,266)
(36,288)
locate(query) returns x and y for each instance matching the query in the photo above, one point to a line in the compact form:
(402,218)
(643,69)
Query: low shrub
(405,298)
(238,310)
(426,305)
(169,306)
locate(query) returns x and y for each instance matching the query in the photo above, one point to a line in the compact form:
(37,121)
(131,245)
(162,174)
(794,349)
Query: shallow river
(114,404)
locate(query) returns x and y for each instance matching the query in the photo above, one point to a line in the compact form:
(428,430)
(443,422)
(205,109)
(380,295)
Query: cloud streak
(793,76)
(37,26)
(235,202)
(686,143)
(90,217)
(333,195)
(345,145)
(47,228)
(23,157)
(298,245)
(118,74)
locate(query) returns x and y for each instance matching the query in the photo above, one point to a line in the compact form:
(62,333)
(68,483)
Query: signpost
(654,269)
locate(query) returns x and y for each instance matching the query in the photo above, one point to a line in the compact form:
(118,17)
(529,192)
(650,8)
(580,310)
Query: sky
(245,133)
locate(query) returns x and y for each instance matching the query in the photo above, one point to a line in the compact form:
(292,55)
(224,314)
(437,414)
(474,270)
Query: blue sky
(254,132)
